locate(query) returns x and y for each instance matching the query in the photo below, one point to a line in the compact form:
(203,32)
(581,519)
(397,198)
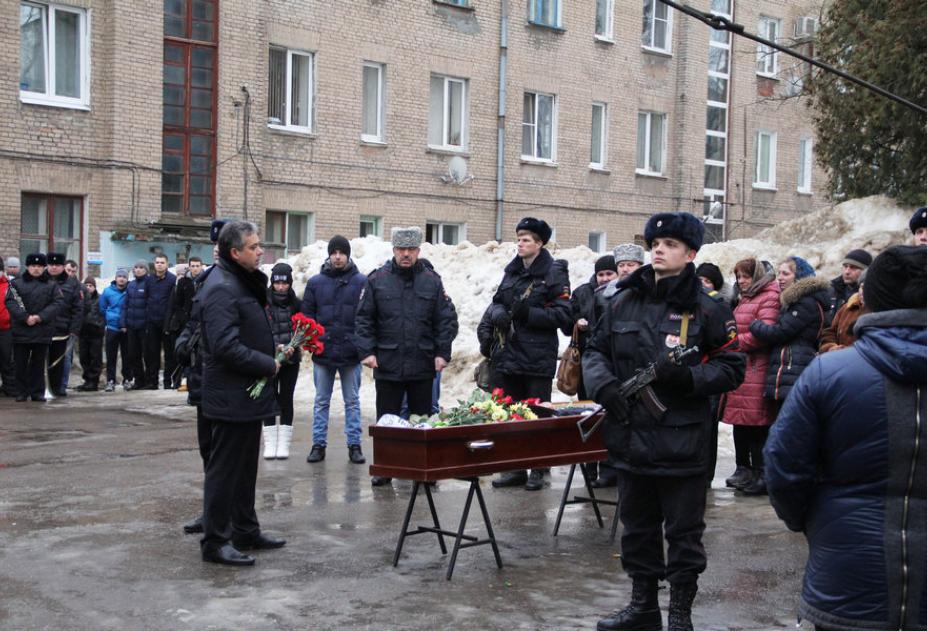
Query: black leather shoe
(226,555)
(741,477)
(194,526)
(511,478)
(604,482)
(379,480)
(60,393)
(355,454)
(261,542)
(316,454)
(535,480)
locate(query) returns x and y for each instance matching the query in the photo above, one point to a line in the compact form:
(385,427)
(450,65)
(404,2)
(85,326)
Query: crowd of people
(220,328)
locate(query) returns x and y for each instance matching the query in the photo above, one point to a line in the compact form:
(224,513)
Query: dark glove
(671,374)
(615,404)
(520,311)
(501,320)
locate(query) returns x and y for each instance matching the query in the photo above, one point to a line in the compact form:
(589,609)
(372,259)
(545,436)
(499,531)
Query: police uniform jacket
(531,347)
(405,319)
(641,323)
(236,343)
(40,296)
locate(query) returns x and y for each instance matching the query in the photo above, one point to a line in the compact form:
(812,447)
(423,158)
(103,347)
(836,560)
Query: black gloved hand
(501,320)
(520,311)
(671,374)
(615,404)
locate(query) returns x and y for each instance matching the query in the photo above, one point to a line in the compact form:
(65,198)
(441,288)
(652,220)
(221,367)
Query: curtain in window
(67,54)
(31,49)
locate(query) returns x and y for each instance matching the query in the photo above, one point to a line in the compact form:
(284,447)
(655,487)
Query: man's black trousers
(91,358)
(7,368)
(231,476)
(117,343)
(391,393)
(654,507)
(30,369)
(56,354)
(203,435)
(135,351)
(157,340)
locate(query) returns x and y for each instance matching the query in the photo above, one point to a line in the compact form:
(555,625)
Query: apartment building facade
(126,131)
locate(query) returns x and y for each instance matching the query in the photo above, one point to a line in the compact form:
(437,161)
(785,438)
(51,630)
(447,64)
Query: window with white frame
(597,241)
(651,142)
(373,102)
(599,141)
(804,165)
(447,113)
(538,127)
(447,233)
(604,9)
(290,89)
(544,12)
(657,27)
(54,55)
(371,226)
(765,174)
(287,233)
(767,57)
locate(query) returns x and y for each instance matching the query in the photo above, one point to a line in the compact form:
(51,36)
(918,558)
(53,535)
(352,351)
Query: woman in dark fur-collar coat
(804,303)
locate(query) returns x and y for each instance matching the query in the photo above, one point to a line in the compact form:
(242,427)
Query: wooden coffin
(472,450)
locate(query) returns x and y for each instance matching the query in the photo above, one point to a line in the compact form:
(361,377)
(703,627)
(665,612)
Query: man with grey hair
(237,347)
(404,328)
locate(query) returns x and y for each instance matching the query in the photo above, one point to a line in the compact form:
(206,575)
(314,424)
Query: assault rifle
(639,386)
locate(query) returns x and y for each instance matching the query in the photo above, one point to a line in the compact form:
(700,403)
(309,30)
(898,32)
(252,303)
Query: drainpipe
(500,142)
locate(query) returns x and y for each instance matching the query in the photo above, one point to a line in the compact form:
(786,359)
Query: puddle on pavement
(48,435)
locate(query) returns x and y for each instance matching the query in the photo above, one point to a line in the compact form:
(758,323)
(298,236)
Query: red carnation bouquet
(306,336)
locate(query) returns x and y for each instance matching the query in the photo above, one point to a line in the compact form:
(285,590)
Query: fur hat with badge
(918,219)
(55,258)
(36,258)
(215,228)
(281,273)
(410,237)
(538,226)
(685,227)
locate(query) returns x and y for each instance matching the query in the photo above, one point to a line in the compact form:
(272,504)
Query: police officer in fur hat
(918,225)
(661,458)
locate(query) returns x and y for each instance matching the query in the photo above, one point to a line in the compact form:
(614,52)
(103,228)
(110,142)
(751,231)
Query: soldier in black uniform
(404,328)
(661,460)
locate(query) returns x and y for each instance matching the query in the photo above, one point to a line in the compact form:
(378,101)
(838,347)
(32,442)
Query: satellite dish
(457,171)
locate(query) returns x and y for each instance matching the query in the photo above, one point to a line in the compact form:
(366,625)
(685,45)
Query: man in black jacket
(531,304)
(179,306)
(157,338)
(66,326)
(842,287)
(404,328)
(91,338)
(661,458)
(238,350)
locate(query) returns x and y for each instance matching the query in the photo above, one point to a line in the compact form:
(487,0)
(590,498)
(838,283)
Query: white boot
(283,442)
(270,442)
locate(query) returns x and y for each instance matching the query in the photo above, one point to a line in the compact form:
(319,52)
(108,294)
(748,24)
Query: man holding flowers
(237,348)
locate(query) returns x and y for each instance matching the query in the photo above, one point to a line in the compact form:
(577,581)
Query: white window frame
(285,124)
(533,157)
(439,231)
(602,239)
(48,30)
(669,29)
(379,136)
(769,184)
(645,170)
(767,58)
(310,229)
(377,224)
(533,17)
(608,34)
(603,136)
(805,158)
(445,118)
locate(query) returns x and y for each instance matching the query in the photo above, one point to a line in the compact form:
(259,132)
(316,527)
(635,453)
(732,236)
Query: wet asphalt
(94,490)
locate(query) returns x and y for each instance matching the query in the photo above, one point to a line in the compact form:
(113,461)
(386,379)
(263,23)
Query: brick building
(125,131)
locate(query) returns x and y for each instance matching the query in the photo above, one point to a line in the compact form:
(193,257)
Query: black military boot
(680,609)
(641,614)
(757,485)
(742,476)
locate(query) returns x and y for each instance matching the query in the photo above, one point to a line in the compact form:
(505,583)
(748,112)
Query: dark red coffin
(471,450)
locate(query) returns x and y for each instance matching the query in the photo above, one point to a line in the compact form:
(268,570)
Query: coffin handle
(475,445)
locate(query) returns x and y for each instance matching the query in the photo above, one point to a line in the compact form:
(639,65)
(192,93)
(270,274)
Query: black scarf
(255,282)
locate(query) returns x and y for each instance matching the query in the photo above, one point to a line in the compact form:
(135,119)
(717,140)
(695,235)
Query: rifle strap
(684,329)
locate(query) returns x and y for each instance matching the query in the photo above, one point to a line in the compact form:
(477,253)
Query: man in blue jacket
(115,340)
(845,460)
(135,322)
(331,299)
(160,287)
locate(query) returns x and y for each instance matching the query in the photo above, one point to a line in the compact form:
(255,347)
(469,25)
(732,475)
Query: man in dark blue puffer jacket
(846,461)
(134,321)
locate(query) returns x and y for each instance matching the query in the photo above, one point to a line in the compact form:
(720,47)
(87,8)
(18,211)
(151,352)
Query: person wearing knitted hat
(847,284)
(115,340)
(530,305)
(918,225)
(331,298)
(405,326)
(843,460)
(33,301)
(662,461)
(135,323)
(12,267)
